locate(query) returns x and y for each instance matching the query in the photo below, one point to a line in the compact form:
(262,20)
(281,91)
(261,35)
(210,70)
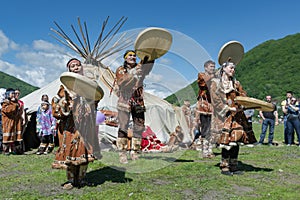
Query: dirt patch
(241,190)
(216,194)
(160,182)
(189,194)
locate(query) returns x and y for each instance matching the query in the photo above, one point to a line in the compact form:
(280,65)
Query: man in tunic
(130,79)
(204,108)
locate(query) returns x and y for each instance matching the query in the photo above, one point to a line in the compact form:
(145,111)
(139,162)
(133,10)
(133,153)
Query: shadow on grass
(100,176)
(168,159)
(249,168)
(183,160)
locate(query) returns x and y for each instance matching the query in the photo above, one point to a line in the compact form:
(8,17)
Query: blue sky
(28,52)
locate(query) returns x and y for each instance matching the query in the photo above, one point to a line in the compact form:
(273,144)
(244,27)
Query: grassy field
(270,173)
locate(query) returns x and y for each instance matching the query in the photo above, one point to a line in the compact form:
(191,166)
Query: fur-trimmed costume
(11,125)
(131,102)
(150,143)
(78,141)
(204,112)
(229,128)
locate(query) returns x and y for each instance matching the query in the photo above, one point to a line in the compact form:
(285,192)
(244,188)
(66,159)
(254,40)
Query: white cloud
(41,67)
(8,67)
(37,64)
(155,77)
(4,43)
(45,46)
(165,61)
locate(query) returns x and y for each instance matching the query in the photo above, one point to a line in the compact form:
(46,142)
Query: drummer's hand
(139,71)
(233,109)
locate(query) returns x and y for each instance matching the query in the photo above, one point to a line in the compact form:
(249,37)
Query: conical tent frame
(99,50)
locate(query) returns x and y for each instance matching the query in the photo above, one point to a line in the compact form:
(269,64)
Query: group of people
(75,115)
(290,107)
(12,123)
(219,119)
(71,118)
(291,119)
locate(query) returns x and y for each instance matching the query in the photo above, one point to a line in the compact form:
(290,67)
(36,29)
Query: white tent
(160,115)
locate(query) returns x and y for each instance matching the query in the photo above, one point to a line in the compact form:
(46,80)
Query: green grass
(270,173)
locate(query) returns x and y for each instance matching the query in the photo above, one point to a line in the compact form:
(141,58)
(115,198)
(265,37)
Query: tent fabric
(2,96)
(160,115)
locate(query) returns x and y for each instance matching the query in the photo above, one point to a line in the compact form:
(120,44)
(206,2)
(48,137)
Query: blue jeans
(293,124)
(285,132)
(267,122)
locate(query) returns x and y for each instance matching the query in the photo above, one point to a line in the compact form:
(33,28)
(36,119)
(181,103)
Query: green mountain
(8,81)
(271,68)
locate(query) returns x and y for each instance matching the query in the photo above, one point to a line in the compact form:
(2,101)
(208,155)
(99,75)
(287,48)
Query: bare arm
(262,116)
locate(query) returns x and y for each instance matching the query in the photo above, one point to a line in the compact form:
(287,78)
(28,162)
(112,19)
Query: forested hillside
(8,81)
(271,68)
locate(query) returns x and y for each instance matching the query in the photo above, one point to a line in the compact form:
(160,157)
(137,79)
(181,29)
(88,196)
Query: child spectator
(46,128)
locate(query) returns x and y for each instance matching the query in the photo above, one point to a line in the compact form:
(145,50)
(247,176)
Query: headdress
(128,52)
(68,63)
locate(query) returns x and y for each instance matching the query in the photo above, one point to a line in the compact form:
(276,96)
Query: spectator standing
(10,122)
(44,98)
(270,119)
(293,122)
(21,108)
(46,129)
(284,105)
(22,120)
